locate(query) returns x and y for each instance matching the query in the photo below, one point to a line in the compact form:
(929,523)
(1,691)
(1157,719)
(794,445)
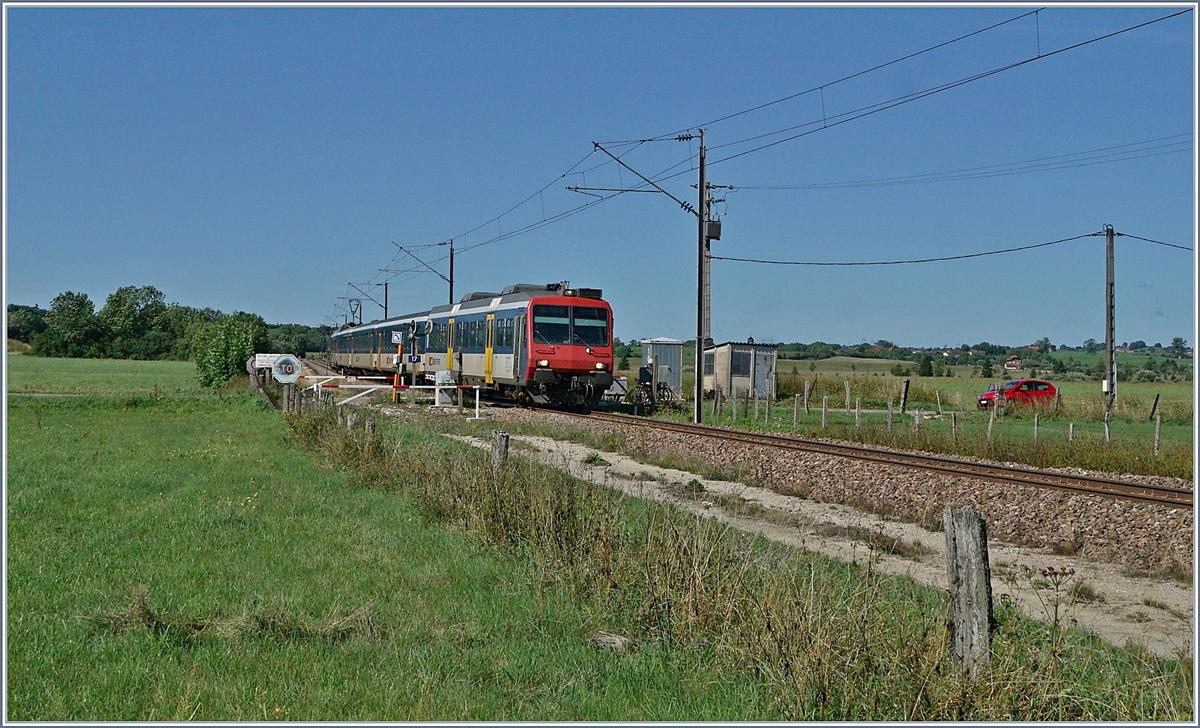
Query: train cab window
(590,326)
(552,324)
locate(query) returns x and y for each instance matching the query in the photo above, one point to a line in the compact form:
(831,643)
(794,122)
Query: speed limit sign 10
(286,369)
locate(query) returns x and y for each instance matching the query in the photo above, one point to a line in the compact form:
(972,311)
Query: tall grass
(825,640)
(1129,450)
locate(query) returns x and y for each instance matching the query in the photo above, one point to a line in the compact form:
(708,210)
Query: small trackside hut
(736,368)
(667,356)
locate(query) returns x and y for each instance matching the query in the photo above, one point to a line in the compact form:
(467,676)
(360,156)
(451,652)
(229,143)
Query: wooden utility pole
(701,261)
(1110,330)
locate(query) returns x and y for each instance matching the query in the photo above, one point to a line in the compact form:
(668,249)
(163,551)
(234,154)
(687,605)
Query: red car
(1022,391)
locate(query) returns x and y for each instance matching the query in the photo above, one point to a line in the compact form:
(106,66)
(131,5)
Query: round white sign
(286,369)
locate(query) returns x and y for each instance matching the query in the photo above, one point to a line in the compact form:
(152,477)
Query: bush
(223,346)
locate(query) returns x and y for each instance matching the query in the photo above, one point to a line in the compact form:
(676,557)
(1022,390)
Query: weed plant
(824,640)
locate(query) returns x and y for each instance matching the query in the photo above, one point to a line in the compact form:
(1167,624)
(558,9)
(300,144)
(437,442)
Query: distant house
(1013,364)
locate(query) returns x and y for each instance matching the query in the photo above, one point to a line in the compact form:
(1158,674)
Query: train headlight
(543,362)
(601,365)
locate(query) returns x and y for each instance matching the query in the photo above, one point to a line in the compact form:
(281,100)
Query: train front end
(569,358)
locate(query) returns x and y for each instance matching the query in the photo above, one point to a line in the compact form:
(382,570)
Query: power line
(1040,164)
(909,262)
(1156,242)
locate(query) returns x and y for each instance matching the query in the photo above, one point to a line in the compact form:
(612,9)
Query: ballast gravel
(1141,536)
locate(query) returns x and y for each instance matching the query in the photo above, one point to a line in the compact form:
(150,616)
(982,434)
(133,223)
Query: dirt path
(1155,613)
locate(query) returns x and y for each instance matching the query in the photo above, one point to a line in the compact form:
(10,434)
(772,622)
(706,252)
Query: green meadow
(108,377)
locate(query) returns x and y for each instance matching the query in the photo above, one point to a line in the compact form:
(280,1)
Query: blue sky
(261,159)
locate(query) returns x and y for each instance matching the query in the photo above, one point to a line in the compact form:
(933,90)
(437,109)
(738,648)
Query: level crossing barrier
(325,383)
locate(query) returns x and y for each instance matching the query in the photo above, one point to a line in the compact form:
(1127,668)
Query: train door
(450,344)
(489,347)
(518,340)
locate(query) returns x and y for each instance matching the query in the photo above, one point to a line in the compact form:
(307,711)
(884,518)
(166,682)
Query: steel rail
(1091,485)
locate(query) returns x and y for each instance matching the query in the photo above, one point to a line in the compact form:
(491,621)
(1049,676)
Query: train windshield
(587,326)
(590,326)
(552,324)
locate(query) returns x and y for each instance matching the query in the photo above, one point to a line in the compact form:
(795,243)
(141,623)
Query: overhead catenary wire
(1040,164)
(908,98)
(798,94)
(839,119)
(635,143)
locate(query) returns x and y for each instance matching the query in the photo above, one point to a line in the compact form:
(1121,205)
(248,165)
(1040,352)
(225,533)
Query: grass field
(29,374)
(177,558)
(193,557)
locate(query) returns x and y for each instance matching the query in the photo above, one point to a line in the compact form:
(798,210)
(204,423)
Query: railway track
(1108,487)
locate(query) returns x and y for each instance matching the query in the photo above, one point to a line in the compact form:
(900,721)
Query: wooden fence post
(857,415)
(991,420)
(938,394)
(806,383)
(903,396)
(756,406)
(1071,432)
(499,450)
(889,418)
(1157,427)
(847,396)
(1153,408)
(796,411)
(824,411)
(970,577)
(1107,437)
(954,427)
(1035,425)
(770,401)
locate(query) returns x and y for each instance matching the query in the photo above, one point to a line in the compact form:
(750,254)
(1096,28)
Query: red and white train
(543,344)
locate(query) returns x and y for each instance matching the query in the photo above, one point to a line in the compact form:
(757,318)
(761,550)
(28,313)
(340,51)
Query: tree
(1043,345)
(924,365)
(133,323)
(939,368)
(1178,347)
(1135,345)
(25,321)
(986,371)
(223,346)
(71,328)
(1091,346)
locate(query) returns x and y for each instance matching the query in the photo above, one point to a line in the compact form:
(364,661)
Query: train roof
(516,293)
